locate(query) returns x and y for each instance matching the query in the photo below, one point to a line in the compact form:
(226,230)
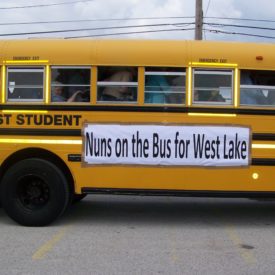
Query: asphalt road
(146,235)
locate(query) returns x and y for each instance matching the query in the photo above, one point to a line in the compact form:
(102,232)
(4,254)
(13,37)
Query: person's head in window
(119,92)
(57,92)
(215,96)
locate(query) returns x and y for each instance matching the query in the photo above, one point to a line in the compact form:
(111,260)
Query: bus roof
(138,52)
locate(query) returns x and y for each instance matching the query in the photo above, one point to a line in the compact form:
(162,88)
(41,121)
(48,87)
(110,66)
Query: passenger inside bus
(58,96)
(251,95)
(211,96)
(72,80)
(164,85)
(119,92)
(177,94)
(215,96)
(155,84)
(79,76)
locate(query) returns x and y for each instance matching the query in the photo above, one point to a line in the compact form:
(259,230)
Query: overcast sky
(147,11)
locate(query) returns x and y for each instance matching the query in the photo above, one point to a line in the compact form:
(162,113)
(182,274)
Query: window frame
(260,87)
(106,84)
(213,71)
(166,73)
(26,68)
(70,85)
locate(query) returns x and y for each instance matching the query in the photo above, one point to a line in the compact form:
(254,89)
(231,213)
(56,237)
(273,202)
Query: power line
(208,5)
(241,19)
(179,24)
(239,33)
(130,19)
(96,20)
(99,28)
(44,5)
(127,33)
(239,26)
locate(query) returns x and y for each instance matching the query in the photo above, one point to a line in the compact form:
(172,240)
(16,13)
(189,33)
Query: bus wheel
(34,192)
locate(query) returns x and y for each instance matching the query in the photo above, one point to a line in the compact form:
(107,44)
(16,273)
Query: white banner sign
(171,145)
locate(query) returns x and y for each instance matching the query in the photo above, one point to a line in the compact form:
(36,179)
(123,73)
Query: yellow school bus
(133,117)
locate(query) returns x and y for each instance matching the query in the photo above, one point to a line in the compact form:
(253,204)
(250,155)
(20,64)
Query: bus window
(117,84)
(164,85)
(70,84)
(212,86)
(25,84)
(257,87)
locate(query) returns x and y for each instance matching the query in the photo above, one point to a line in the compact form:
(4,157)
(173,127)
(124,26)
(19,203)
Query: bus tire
(34,192)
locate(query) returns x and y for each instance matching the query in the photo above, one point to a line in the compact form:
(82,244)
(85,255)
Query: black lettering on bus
(5,119)
(58,120)
(38,120)
(161,147)
(20,119)
(28,117)
(198,145)
(121,147)
(89,144)
(48,120)
(67,120)
(97,147)
(77,119)
(155,145)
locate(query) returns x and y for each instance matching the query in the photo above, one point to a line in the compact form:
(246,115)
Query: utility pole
(199,20)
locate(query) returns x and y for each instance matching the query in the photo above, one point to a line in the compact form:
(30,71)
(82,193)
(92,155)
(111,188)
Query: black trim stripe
(134,108)
(260,136)
(41,132)
(179,193)
(77,133)
(254,162)
(263,162)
